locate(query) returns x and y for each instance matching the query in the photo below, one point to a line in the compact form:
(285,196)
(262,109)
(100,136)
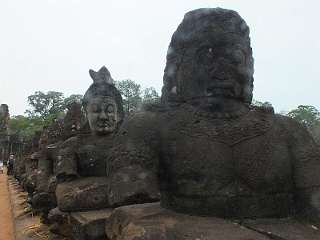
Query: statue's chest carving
(92,161)
(227,132)
(217,158)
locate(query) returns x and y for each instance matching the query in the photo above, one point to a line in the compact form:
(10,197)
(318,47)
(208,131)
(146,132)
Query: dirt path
(27,225)
(6,218)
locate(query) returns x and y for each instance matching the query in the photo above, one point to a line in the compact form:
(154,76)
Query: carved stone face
(217,70)
(102,115)
(209,59)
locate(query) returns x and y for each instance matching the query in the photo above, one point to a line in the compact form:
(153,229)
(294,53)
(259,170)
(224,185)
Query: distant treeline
(44,107)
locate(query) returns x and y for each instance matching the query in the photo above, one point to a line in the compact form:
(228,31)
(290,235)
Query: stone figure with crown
(81,169)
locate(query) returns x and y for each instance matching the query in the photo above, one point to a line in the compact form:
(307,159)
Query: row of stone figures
(202,164)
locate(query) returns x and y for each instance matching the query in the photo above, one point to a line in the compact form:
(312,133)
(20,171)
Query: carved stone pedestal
(151,222)
(89,225)
(86,225)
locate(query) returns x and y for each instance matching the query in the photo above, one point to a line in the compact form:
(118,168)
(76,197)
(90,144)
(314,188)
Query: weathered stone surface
(284,229)
(151,222)
(89,225)
(131,185)
(212,153)
(84,225)
(4,137)
(4,118)
(73,120)
(60,223)
(83,194)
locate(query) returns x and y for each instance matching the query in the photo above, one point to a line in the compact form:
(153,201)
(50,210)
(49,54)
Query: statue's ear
(93,75)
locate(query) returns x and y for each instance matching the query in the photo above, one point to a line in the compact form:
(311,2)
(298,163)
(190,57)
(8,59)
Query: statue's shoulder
(279,122)
(72,141)
(288,122)
(294,129)
(146,118)
(139,127)
(262,109)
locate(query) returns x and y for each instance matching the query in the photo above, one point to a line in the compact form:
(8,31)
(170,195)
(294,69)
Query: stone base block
(151,222)
(89,225)
(86,225)
(288,229)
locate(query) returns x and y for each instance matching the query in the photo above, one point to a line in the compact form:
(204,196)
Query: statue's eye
(110,109)
(95,108)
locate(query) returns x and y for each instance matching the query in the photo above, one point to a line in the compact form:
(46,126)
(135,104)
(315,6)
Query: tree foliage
(261,104)
(50,105)
(45,107)
(134,97)
(309,116)
(131,94)
(25,127)
(71,99)
(305,114)
(150,95)
(45,104)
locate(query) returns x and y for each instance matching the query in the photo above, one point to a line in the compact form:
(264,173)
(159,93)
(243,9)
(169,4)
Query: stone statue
(44,196)
(4,117)
(82,167)
(206,148)
(4,138)
(29,178)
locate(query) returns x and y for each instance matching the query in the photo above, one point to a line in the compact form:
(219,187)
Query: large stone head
(209,59)
(102,103)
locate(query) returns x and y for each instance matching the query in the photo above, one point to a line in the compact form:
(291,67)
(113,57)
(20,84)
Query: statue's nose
(103,115)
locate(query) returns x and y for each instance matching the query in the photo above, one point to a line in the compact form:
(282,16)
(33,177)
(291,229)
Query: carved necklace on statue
(226,128)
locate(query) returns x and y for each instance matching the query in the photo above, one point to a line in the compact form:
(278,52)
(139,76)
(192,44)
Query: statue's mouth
(104,125)
(225,89)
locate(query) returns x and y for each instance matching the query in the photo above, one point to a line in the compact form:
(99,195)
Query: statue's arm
(43,172)
(306,171)
(66,167)
(133,162)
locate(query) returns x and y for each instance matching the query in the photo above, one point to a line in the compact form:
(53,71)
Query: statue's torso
(92,154)
(226,167)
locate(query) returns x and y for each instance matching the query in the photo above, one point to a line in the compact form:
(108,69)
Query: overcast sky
(51,44)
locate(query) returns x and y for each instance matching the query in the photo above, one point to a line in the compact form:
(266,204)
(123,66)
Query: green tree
(71,99)
(131,94)
(45,104)
(25,127)
(150,95)
(309,116)
(50,105)
(261,104)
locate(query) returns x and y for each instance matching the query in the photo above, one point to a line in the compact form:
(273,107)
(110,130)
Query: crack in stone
(265,233)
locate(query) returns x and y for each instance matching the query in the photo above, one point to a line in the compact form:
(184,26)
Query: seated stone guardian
(209,151)
(30,161)
(82,161)
(58,131)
